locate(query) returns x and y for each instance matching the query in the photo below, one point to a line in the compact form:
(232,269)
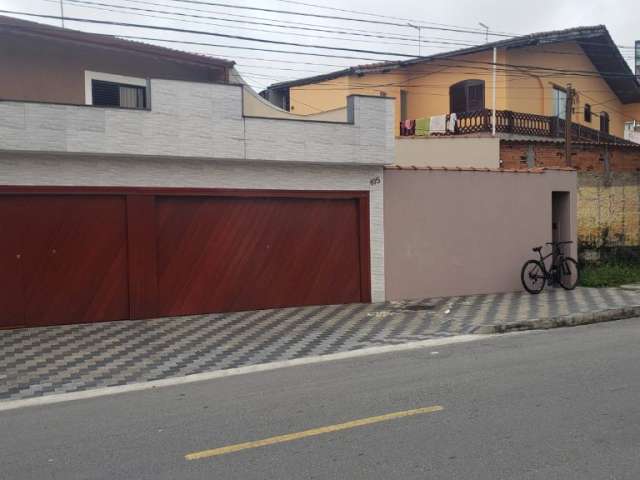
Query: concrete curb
(571,320)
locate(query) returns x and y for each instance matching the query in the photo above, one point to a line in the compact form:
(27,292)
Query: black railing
(518,123)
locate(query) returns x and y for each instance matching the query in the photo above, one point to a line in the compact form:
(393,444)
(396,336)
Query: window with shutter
(111,94)
(604,122)
(467,96)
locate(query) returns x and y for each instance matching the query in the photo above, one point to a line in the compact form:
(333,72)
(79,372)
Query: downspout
(493,115)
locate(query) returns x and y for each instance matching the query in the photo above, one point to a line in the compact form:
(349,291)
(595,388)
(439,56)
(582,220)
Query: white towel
(438,124)
(451,124)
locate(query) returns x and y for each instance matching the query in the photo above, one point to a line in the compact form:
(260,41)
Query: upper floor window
(604,122)
(110,94)
(467,96)
(559,99)
(109,90)
(587,113)
(404,107)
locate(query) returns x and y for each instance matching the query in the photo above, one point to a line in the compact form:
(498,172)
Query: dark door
(12,304)
(224,254)
(70,256)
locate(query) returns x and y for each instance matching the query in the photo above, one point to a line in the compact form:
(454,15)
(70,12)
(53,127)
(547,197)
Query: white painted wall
(200,120)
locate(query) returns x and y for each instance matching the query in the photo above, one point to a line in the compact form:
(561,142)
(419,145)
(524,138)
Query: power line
(508,70)
(258,49)
(86,2)
(289,12)
(133,10)
(287,23)
(380,15)
(330,17)
(531,68)
(213,34)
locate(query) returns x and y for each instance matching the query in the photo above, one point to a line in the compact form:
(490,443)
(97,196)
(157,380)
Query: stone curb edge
(571,320)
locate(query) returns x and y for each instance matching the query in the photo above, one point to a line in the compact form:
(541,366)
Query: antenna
(419,28)
(486,28)
(62,12)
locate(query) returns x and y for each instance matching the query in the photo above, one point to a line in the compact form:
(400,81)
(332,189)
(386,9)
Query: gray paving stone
(49,360)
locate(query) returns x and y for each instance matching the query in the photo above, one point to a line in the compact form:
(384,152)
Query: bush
(609,274)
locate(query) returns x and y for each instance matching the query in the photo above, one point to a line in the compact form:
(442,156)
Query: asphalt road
(562,404)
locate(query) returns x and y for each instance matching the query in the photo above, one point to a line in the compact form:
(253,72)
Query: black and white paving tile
(51,360)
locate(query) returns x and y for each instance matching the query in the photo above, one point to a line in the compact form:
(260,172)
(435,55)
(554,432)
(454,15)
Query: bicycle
(564,270)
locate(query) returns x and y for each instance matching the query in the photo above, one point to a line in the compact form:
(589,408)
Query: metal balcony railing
(519,123)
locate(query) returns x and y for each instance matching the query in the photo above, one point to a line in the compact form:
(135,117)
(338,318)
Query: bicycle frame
(551,273)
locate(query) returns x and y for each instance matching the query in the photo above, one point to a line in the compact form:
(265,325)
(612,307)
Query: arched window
(604,122)
(467,96)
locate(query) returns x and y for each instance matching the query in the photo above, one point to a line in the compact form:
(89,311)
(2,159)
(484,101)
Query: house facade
(530,81)
(146,182)
(129,196)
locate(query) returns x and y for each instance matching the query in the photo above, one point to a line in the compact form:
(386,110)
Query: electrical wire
(133,10)
(334,17)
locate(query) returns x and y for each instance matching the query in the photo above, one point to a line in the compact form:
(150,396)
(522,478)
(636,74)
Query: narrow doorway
(560,217)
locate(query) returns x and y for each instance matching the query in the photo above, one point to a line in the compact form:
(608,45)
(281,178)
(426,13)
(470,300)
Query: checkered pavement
(50,360)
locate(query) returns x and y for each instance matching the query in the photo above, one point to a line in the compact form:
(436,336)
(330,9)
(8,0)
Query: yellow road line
(310,433)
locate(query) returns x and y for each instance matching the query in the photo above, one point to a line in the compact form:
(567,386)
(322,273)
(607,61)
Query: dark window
(110,94)
(403,104)
(587,113)
(604,122)
(467,96)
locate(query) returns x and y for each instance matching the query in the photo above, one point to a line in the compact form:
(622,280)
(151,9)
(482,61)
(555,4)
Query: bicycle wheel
(568,274)
(533,277)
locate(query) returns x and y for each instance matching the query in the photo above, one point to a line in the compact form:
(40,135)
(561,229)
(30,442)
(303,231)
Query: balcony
(517,123)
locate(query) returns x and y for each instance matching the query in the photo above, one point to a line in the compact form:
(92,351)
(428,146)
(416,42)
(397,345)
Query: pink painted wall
(463,232)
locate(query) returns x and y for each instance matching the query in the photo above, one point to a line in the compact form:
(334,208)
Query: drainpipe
(493,116)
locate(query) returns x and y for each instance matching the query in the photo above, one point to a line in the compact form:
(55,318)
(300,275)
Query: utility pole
(494,87)
(62,12)
(419,28)
(568,125)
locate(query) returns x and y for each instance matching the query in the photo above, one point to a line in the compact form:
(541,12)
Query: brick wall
(608,187)
(585,157)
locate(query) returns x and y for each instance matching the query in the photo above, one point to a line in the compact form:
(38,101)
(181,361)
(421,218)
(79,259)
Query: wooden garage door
(76,255)
(63,259)
(226,254)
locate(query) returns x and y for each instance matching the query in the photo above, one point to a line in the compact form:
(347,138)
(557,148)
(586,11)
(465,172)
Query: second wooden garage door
(234,253)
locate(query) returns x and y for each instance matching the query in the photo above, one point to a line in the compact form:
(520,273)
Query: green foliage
(609,274)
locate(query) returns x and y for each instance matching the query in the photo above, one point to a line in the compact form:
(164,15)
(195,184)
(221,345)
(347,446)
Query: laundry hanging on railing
(422,127)
(438,124)
(407,128)
(451,123)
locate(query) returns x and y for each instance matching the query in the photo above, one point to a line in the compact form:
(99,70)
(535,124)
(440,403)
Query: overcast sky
(622,18)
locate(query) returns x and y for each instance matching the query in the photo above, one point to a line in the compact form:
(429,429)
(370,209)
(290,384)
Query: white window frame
(89,76)
(559,98)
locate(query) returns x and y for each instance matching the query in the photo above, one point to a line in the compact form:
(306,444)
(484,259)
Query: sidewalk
(51,360)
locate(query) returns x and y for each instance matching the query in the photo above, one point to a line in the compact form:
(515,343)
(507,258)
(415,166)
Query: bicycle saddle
(537,249)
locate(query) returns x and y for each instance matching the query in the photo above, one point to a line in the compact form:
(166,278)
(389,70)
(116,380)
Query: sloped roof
(25,27)
(595,41)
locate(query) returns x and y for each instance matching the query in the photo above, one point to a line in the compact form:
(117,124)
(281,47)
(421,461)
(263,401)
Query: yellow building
(532,75)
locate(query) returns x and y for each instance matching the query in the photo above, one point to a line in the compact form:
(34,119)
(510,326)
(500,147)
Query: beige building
(530,81)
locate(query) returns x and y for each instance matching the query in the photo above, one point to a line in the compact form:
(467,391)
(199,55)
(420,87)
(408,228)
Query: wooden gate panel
(226,254)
